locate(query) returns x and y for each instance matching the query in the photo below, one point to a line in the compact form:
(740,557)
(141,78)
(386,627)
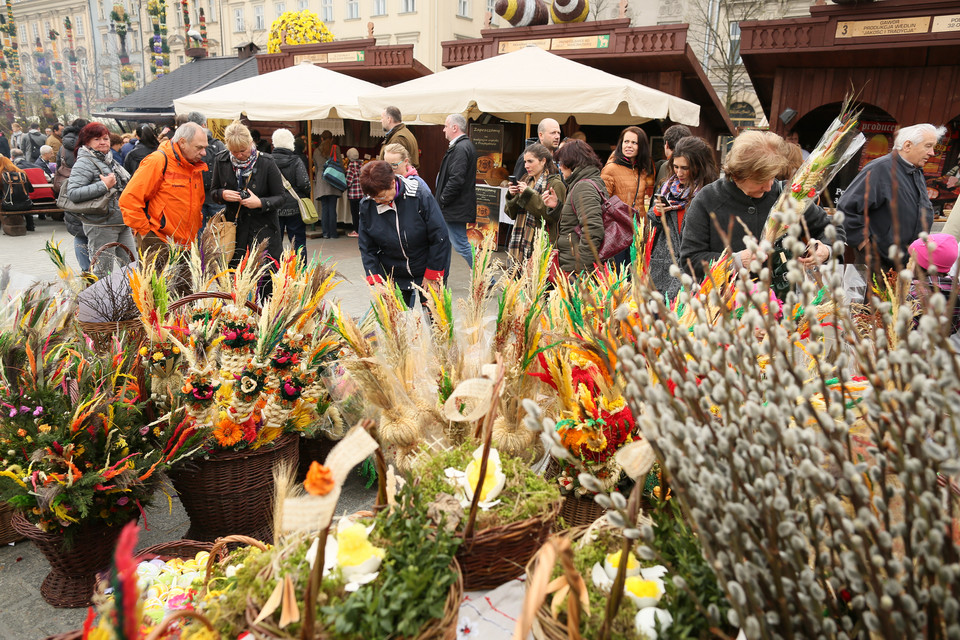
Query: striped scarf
(243,168)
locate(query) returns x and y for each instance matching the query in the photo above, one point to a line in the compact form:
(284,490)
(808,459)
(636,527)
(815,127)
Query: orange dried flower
(228,433)
(319,480)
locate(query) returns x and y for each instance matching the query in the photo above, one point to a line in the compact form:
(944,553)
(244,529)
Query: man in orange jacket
(162,201)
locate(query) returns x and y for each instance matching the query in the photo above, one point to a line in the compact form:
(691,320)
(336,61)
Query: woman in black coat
(295,171)
(147,145)
(249,184)
(745,195)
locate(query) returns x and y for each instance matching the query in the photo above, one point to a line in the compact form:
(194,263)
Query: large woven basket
(73,572)
(232,491)
(101,333)
(7,533)
(496,555)
(315,448)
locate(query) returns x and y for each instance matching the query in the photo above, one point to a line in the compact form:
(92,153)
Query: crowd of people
(153,187)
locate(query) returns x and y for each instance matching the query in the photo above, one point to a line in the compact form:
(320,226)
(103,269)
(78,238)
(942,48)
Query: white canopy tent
(302,92)
(531,84)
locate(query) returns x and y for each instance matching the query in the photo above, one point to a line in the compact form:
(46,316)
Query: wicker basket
(69,635)
(316,448)
(496,555)
(73,572)
(7,533)
(578,511)
(232,491)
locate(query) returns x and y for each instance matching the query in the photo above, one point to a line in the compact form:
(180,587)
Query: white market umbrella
(301,92)
(531,84)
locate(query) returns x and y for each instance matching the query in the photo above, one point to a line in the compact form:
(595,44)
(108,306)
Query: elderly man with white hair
(893,222)
(47,156)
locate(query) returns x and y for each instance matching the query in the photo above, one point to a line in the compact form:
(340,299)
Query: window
(46,28)
(408,6)
(326,10)
(353,9)
(491,9)
(238,26)
(379,7)
(78,25)
(463,8)
(279,8)
(735,43)
(303,5)
(258,22)
(36,31)
(211,15)
(23,34)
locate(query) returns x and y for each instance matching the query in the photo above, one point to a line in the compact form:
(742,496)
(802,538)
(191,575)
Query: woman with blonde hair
(744,198)
(323,190)
(249,184)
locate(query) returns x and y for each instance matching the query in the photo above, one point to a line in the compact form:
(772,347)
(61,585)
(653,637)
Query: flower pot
(231,492)
(73,571)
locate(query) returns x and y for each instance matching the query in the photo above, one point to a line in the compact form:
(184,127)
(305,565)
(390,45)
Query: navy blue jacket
(914,209)
(409,243)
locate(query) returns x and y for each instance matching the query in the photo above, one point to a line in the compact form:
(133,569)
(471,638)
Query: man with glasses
(162,201)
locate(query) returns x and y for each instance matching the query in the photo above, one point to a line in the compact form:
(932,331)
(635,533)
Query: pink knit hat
(943,255)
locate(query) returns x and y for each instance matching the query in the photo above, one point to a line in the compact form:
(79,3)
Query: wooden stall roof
(658,57)
(900,55)
(364,59)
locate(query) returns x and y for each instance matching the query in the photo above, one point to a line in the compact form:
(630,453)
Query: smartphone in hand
(513,180)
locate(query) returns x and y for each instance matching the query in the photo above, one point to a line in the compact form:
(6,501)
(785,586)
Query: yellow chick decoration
(493,481)
(357,557)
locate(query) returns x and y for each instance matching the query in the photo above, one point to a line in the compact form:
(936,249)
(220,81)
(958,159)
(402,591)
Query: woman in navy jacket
(402,232)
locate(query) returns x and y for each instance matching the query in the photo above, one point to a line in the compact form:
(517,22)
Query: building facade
(35,19)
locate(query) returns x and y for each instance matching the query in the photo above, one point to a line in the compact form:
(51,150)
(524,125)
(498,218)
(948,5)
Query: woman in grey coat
(326,193)
(94,174)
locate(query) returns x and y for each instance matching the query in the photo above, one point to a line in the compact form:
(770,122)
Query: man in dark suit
(457,186)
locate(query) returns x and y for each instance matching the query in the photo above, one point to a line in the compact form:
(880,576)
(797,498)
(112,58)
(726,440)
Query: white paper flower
(645,621)
(612,562)
(644,593)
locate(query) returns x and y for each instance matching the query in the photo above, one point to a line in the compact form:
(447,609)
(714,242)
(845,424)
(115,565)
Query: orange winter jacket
(164,196)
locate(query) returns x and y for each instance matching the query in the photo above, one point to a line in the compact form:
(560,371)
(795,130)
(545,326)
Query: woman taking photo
(744,197)
(525,202)
(402,232)
(580,168)
(249,184)
(626,173)
(693,167)
(95,174)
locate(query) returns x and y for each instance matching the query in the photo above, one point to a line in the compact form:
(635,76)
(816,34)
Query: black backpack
(16,187)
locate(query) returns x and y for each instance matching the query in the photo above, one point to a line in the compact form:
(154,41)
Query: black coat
(253,225)
(293,169)
(68,151)
(136,156)
(457,182)
(914,209)
(407,243)
(699,240)
(4,145)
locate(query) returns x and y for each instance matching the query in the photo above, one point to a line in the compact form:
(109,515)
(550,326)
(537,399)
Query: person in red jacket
(163,198)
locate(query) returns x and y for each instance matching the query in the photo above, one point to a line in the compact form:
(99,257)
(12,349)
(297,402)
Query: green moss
(525,494)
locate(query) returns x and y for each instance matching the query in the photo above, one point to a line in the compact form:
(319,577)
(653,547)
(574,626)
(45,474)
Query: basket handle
(539,585)
(110,245)
(209,295)
(485,429)
(223,542)
(164,626)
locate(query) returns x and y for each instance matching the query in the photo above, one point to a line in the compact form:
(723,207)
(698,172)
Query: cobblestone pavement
(23,613)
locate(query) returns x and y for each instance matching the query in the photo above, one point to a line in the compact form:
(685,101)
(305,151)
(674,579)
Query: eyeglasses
(396,164)
(379,200)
